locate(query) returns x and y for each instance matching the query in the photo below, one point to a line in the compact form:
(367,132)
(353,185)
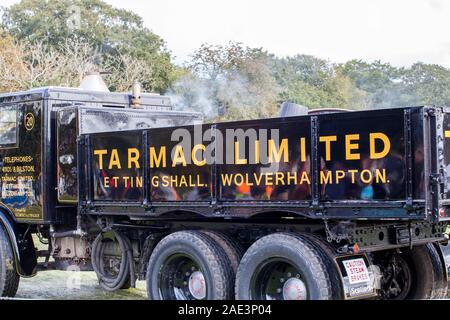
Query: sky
(397,31)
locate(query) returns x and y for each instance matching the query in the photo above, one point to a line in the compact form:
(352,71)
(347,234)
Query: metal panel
(362,165)
(117,167)
(95,120)
(21,175)
(183,180)
(359,169)
(66,154)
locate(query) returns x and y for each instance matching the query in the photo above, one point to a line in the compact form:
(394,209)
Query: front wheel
(189,265)
(9,279)
(283,266)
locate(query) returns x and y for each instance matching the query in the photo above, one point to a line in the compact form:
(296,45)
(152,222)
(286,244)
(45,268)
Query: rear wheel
(415,273)
(9,279)
(231,248)
(283,266)
(397,280)
(189,265)
(440,284)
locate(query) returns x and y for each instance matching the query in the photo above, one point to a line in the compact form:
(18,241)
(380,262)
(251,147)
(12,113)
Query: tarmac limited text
(273,151)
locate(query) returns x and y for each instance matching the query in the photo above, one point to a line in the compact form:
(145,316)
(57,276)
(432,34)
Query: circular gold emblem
(29,121)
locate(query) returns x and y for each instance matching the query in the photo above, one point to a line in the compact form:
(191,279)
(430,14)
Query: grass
(72,285)
(75,285)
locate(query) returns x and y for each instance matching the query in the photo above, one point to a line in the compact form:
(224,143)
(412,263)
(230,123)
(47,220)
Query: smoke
(437,5)
(232,96)
(191,93)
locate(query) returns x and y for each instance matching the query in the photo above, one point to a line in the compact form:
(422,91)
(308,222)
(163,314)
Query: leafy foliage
(56,42)
(228,82)
(112,32)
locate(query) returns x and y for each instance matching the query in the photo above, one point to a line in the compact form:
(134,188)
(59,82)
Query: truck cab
(39,129)
(38,143)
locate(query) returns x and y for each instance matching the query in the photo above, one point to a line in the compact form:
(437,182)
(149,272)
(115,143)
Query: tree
(388,86)
(381,82)
(112,32)
(25,66)
(314,82)
(228,82)
(427,84)
(12,68)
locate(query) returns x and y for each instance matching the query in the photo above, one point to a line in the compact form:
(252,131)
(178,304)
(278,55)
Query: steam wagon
(321,205)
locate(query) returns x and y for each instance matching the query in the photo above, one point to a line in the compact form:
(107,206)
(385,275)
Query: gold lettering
(178,157)
(100,154)
(380,176)
(183,182)
(114,161)
(269,179)
(366,176)
(226,179)
(195,149)
(257,152)
(238,179)
(353,173)
(155,181)
(133,157)
(340,174)
(292,177)
(138,182)
(278,154)
(279,178)
(305,178)
(326,177)
(165,181)
(302,149)
(237,159)
(328,140)
(158,160)
(386,142)
(258,178)
(349,147)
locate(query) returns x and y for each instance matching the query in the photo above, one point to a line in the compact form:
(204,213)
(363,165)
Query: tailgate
(439,164)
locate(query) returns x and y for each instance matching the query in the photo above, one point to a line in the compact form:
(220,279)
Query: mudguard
(25,264)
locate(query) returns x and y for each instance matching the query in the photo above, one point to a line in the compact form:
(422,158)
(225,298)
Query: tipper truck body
(335,205)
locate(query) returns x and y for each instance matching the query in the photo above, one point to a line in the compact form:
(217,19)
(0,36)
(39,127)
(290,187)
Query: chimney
(136,95)
(289,109)
(93,81)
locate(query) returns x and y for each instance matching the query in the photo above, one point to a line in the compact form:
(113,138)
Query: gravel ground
(63,285)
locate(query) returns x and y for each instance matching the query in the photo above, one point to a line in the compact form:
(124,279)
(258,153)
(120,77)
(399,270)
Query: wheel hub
(197,287)
(294,289)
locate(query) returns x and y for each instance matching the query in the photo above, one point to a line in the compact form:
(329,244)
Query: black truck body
(302,179)
(362,189)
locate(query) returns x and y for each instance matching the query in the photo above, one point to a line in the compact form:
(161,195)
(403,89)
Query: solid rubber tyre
(203,251)
(233,250)
(425,271)
(9,279)
(440,284)
(328,254)
(296,250)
